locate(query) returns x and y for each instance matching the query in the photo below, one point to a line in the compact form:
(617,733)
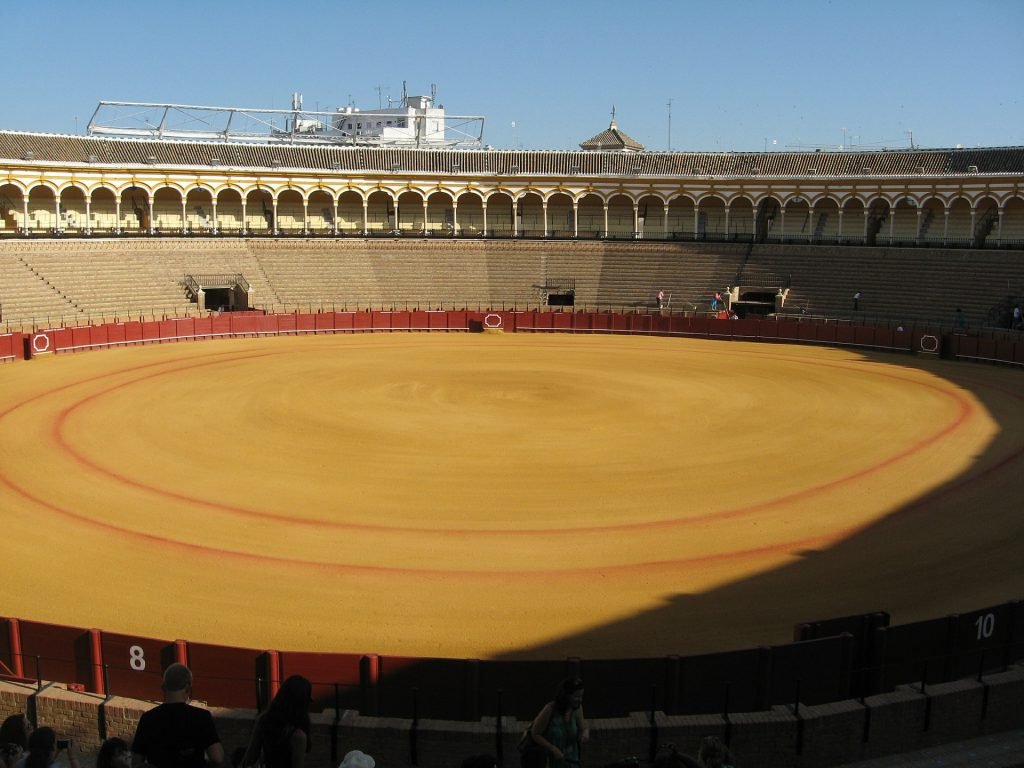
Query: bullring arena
(250,423)
(487,495)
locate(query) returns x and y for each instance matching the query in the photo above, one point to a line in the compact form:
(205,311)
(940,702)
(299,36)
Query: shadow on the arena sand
(955,549)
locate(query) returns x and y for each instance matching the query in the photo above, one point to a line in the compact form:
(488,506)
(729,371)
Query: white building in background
(417,122)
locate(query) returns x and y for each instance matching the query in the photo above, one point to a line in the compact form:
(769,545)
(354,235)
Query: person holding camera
(44,748)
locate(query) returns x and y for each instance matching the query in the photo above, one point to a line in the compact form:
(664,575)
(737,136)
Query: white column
(917,239)
(455,217)
(782,223)
(999,231)
(273,216)
(245,222)
(213,222)
(485,218)
(88,214)
(152,213)
(544,211)
(945,227)
(184,217)
(974,214)
(366,216)
(515,218)
(810,224)
(867,214)
(696,221)
(840,235)
(24,219)
(426,219)
(892,224)
(117,214)
(305,217)
(664,220)
(56,212)
(576,219)
(727,222)
(606,233)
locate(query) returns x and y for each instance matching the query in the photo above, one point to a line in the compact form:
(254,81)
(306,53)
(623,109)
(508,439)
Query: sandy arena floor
(504,495)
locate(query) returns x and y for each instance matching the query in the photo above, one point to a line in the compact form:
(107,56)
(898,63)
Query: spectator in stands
(673,758)
(713,753)
(661,299)
(1018,319)
(715,301)
(280,738)
(43,749)
(175,734)
(14,735)
(856,301)
(961,320)
(114,753)
(357,759)
(560,727)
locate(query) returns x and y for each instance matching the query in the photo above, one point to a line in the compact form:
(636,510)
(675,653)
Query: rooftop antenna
(670,125)
(433,94)
(910,135)
(405,95)
(380,104)
(296,109)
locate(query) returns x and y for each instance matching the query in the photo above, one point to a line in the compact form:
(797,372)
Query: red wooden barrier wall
(50,340)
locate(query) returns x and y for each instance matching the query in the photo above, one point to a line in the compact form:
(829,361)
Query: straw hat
(357,759)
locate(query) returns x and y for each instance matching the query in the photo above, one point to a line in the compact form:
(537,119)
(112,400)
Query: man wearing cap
(175,734)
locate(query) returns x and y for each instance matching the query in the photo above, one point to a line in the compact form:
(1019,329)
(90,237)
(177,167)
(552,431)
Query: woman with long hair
(43,749)
(560,728)
(114,753)
(281,733)
(714,754)
(14,735)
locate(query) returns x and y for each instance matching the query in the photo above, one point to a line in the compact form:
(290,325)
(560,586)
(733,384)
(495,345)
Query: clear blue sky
(740,75)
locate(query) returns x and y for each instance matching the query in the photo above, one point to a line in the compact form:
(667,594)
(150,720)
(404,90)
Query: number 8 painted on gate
(137,660)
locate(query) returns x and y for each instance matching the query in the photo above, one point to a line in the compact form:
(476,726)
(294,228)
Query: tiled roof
(612,140)
(58,149)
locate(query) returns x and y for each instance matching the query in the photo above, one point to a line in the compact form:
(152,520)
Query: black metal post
(413,752)
(499,742)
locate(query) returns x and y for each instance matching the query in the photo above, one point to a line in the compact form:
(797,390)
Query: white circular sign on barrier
(492,321)
(37,347)
(929,343)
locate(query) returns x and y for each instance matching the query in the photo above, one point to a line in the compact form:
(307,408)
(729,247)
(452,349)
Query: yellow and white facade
(86,186)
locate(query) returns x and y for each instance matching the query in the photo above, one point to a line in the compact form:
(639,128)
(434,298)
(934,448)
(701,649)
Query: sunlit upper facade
(89,186)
